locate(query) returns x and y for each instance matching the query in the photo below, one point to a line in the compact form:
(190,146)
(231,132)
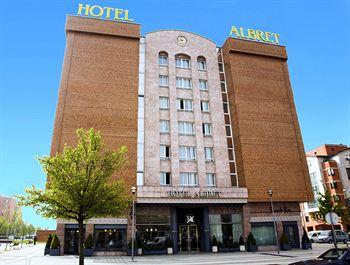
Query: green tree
(30,229)
(327,204)
(81,184)
(4,226)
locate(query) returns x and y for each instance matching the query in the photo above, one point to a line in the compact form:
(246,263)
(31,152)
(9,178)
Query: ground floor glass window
(264,233)
(227,228)
(110,237)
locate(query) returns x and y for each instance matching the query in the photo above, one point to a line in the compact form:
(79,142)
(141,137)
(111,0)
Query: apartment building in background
(329,169)
(209,131)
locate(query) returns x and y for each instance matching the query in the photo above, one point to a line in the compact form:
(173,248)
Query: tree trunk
(81,242)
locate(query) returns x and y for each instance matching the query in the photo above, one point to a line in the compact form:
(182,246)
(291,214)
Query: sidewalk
(34,256)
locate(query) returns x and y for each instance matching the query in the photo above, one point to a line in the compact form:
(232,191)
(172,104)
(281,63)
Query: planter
(139,251)
(285,247)
(46,251)
(242,248)
(154,252)
(233,249)
(306,246)
(214,249)
(89,252)
(170,251)
(252,248)
(54,251)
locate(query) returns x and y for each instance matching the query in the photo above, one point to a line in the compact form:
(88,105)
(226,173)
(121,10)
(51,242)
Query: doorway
(189,238)
(292,232)
(71,243)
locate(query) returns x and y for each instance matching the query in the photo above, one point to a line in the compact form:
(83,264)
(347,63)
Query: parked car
(313,235)
(333,256)
(157,240)
(326,236)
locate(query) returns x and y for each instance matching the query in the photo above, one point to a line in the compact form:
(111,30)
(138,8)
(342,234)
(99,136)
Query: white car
(313,236)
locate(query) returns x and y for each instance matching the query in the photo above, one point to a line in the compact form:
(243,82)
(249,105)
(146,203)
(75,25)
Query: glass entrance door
(71,241)
(292,232)
(189,238)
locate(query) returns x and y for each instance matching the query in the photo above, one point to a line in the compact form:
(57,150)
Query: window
(227,228)
(225,106)
(185,104)
(221,68)
(330,171)
(206,129)
(187,153)
(164,152)
(203,84)
(202,64)
(182,82)
(182,61)
(307,219)
(334,185)
(205,106)
(110,237)
(163,59)
(228,130)
(230,154)
(233,180)
(210,177)
(348,172)
(263,233)
(164,126)
(336,198)
(188,179)
(163,80)
(223,86)
(164,178)
(186,127)
(163,102)
(208,152)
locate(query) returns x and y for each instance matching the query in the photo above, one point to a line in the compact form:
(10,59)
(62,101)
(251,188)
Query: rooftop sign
(252,34)
(103,12)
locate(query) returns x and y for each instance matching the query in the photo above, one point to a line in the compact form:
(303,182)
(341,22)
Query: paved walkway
(34,256)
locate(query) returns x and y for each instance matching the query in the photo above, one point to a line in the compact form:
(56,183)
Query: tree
(4,226)
(81,184)
(30,229)
(327,204)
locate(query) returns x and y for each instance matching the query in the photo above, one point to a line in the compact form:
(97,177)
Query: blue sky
(32,46)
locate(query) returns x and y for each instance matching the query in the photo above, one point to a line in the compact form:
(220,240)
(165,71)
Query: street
(34,256)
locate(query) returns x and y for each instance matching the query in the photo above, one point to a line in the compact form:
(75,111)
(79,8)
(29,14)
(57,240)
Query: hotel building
(329,169)
(209,131)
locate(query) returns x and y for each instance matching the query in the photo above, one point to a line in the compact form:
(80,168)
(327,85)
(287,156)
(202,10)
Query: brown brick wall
(268,145)
(42,235)
(99,86)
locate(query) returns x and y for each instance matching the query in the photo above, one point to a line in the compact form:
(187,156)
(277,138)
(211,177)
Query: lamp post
(274,221)
(133,191)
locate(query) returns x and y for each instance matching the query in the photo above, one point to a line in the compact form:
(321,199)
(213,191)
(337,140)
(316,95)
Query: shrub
(214,242)
(241,241)
(251,239)
(48,242)
(89,243)
(305,238)
(235,244)
(55,244)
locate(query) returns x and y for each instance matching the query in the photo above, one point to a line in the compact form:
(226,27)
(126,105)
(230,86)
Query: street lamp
(274,221)
(133,191)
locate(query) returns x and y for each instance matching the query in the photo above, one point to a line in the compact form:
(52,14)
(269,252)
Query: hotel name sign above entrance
(256,35)
(193,194)
(97,11)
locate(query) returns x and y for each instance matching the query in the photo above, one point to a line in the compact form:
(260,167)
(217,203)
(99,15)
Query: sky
(32,43)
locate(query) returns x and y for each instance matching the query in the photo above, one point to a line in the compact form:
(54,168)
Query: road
(34,256)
